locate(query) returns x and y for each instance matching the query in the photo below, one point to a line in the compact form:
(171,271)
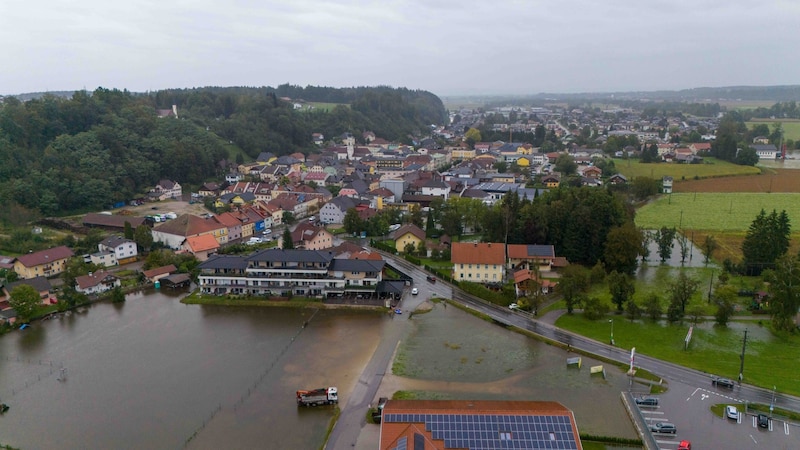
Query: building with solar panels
(477,425)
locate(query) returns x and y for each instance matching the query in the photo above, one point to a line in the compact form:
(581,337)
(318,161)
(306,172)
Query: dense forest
(66,155)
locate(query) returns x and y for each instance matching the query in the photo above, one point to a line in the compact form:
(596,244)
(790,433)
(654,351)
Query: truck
(315,397)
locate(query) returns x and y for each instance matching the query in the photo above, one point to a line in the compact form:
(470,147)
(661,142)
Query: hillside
(66,155)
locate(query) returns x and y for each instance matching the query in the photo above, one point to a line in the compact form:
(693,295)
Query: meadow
(712,167)
(718,211)
(791,127)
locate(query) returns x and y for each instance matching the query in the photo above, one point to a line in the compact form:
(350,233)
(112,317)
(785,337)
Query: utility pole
(710,283)
(741,368)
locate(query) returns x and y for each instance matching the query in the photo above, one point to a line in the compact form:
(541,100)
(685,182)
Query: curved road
(352,418)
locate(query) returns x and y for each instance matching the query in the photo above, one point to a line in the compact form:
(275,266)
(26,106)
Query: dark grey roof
(224,262)
(358,265)
(114,241)
(292,255)
(541,250)
(764,147)
(39,283)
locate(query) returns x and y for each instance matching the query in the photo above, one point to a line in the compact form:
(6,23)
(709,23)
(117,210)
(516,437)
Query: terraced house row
(286,273)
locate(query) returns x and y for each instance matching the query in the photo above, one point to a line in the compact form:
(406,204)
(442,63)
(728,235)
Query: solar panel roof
(494,431)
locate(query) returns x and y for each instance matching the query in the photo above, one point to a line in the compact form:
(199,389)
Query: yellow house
(478,262)
(46,263)
(523,162)
(408,234)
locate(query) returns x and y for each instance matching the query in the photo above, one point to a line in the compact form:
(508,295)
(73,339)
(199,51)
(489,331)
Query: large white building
(286,273)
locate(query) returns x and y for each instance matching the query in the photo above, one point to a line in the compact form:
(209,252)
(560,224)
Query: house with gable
(478,262)
(666,185)
(158,273)
(124,250)
(166,189)
(201,246)
(233,224)
(335,210)
(96,282)
(46,263)
(173,233)
(533,257)
(40,284)
(310,237)
(408,234)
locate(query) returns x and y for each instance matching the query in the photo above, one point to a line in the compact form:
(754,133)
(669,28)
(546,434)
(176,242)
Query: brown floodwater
(154,373)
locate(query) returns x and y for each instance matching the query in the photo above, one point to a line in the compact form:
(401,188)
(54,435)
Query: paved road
(352,419)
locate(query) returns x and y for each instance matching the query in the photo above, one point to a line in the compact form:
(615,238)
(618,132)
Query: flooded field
(454,355)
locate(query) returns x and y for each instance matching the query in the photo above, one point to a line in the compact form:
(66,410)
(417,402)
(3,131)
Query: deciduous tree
(24,299)
(621,287)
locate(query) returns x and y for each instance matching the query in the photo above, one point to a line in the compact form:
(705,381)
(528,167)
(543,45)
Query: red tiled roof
(45,256)
(474,253)
(202,243)
(160,271)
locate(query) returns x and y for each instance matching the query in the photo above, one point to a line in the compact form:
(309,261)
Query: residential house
(533,257)
(443,424)
(478,262)
(233,224)
(124,250)
(310,237)
(551,181)
(408,234)
(166,189)
(593,172)
(201,246)
(358,272)
(211,189)
(335,210)
(617,178)
(96,282)
(40,284)
(437,188)
(46,263)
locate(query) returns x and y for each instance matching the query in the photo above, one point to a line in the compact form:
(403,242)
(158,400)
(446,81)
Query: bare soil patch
(774,180)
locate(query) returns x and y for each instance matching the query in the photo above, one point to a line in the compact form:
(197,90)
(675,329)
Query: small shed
(176,280)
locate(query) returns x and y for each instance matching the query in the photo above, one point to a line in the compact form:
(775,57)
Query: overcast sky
(445,46)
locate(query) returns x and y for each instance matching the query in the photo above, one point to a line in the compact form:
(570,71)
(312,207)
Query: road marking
(704,396)
(695,392)
(786,428)
(754,439)
(666,442)
(653,412)
(754,424)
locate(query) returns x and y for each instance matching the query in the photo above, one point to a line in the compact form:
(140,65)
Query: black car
(431,279)
(647,401)
(763,421)
(723,382)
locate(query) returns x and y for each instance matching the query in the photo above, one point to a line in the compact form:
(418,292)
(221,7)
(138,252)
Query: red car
(685,445)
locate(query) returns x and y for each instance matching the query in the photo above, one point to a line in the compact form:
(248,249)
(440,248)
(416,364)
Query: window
(487,266)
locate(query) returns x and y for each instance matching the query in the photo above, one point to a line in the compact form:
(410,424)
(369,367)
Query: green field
(715,211)
(713,349)
(791,127)
(326,107)
(713,167)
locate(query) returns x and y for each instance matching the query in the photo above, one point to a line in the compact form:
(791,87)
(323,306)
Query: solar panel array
(494,431)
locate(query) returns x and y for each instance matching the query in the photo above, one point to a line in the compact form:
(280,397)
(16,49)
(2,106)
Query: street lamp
(611,321)
(772,405)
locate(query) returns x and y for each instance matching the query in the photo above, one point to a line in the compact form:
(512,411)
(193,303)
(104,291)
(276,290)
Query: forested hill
(65,155)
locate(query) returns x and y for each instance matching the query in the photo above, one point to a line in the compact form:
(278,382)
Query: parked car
(647,401)
(763,421)
(513,306)
(664,427)
(685,445)
(731,412)
(267,231)
(414,291)
(723,382)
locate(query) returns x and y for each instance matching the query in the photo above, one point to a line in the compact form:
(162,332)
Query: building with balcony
(286,273)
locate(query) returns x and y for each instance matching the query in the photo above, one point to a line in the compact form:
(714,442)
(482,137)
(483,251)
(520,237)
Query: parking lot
(689,409)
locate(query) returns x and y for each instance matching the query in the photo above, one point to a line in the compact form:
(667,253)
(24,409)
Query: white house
(123,249)
(436,188)
(766,151)
(97,282)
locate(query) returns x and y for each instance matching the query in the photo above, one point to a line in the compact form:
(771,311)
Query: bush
(412,259)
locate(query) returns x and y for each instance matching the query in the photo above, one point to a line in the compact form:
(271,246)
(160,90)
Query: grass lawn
(791,127)
(714,211)
(712,167)
(768,358)
(326,107)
